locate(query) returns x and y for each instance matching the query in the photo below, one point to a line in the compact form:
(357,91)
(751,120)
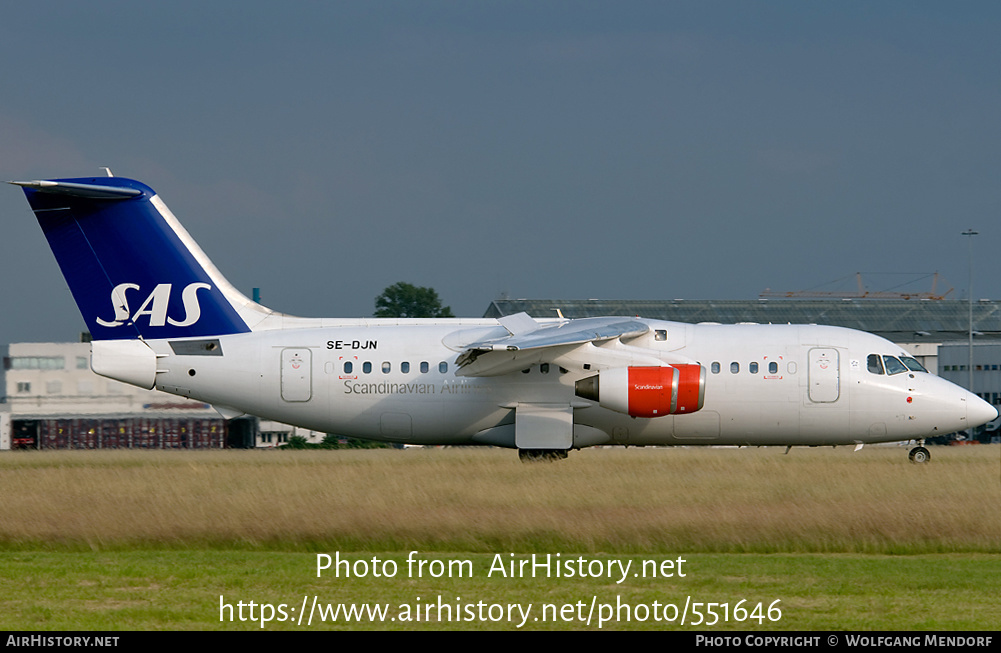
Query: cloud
(29,151)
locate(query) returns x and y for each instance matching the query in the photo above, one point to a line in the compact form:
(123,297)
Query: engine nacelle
(647,391)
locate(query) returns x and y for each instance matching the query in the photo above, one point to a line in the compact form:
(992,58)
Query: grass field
(842,539)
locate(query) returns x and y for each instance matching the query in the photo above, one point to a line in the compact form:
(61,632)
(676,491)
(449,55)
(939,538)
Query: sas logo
(155,306)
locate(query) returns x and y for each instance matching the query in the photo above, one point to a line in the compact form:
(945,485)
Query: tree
(334,441)
(406,300)
(296,442)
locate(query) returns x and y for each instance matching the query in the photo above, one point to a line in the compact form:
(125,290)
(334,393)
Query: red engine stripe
(689,388)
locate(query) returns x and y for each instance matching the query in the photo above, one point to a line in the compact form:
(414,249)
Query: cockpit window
(875,364)
(893,366)
(912,364)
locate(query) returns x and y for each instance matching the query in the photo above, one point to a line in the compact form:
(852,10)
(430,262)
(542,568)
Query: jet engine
(647,391)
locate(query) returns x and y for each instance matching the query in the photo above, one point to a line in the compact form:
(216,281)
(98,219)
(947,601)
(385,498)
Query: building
(55,401)
(954,365)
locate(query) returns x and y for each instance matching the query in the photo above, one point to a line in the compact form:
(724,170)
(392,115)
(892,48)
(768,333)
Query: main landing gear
(541,455)
(919,454)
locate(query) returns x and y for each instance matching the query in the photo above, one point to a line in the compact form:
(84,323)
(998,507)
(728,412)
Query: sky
(322,151)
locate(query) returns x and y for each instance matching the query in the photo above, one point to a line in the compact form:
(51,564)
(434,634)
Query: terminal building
(54,400)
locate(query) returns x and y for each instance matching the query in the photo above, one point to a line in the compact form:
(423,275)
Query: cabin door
(824,375)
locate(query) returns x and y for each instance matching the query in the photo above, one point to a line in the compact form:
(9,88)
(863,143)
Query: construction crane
(861,293)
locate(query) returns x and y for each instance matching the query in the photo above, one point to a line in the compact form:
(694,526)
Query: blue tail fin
(132,269)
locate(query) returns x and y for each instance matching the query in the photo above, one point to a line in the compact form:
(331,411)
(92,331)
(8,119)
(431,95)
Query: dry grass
(611,500)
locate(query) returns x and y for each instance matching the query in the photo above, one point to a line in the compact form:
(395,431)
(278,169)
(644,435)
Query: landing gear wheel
(919,455)
(541,455)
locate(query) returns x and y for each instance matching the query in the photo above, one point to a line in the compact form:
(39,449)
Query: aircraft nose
(979,411)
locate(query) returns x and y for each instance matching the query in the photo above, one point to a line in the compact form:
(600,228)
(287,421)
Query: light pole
(970,233)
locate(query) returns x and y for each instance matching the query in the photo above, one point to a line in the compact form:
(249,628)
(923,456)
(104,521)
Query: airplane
(162,316)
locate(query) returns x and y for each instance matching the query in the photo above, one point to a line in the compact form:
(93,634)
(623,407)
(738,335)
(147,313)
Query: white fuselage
(764,384)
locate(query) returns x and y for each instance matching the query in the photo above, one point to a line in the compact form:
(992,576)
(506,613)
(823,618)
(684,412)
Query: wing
(530,342)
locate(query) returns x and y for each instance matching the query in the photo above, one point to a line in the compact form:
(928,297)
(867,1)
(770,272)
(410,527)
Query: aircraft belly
(431,409)
(751,423)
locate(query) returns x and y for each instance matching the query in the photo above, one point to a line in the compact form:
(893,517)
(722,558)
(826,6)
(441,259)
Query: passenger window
(405,367)
(893,366)
(734,368)
(715,367)
(386,367)
(660,334)
(544,368)
(366,367)
(773,368)
(424,367)
(753,368)
(348,367)
(875,364)
(443,367)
